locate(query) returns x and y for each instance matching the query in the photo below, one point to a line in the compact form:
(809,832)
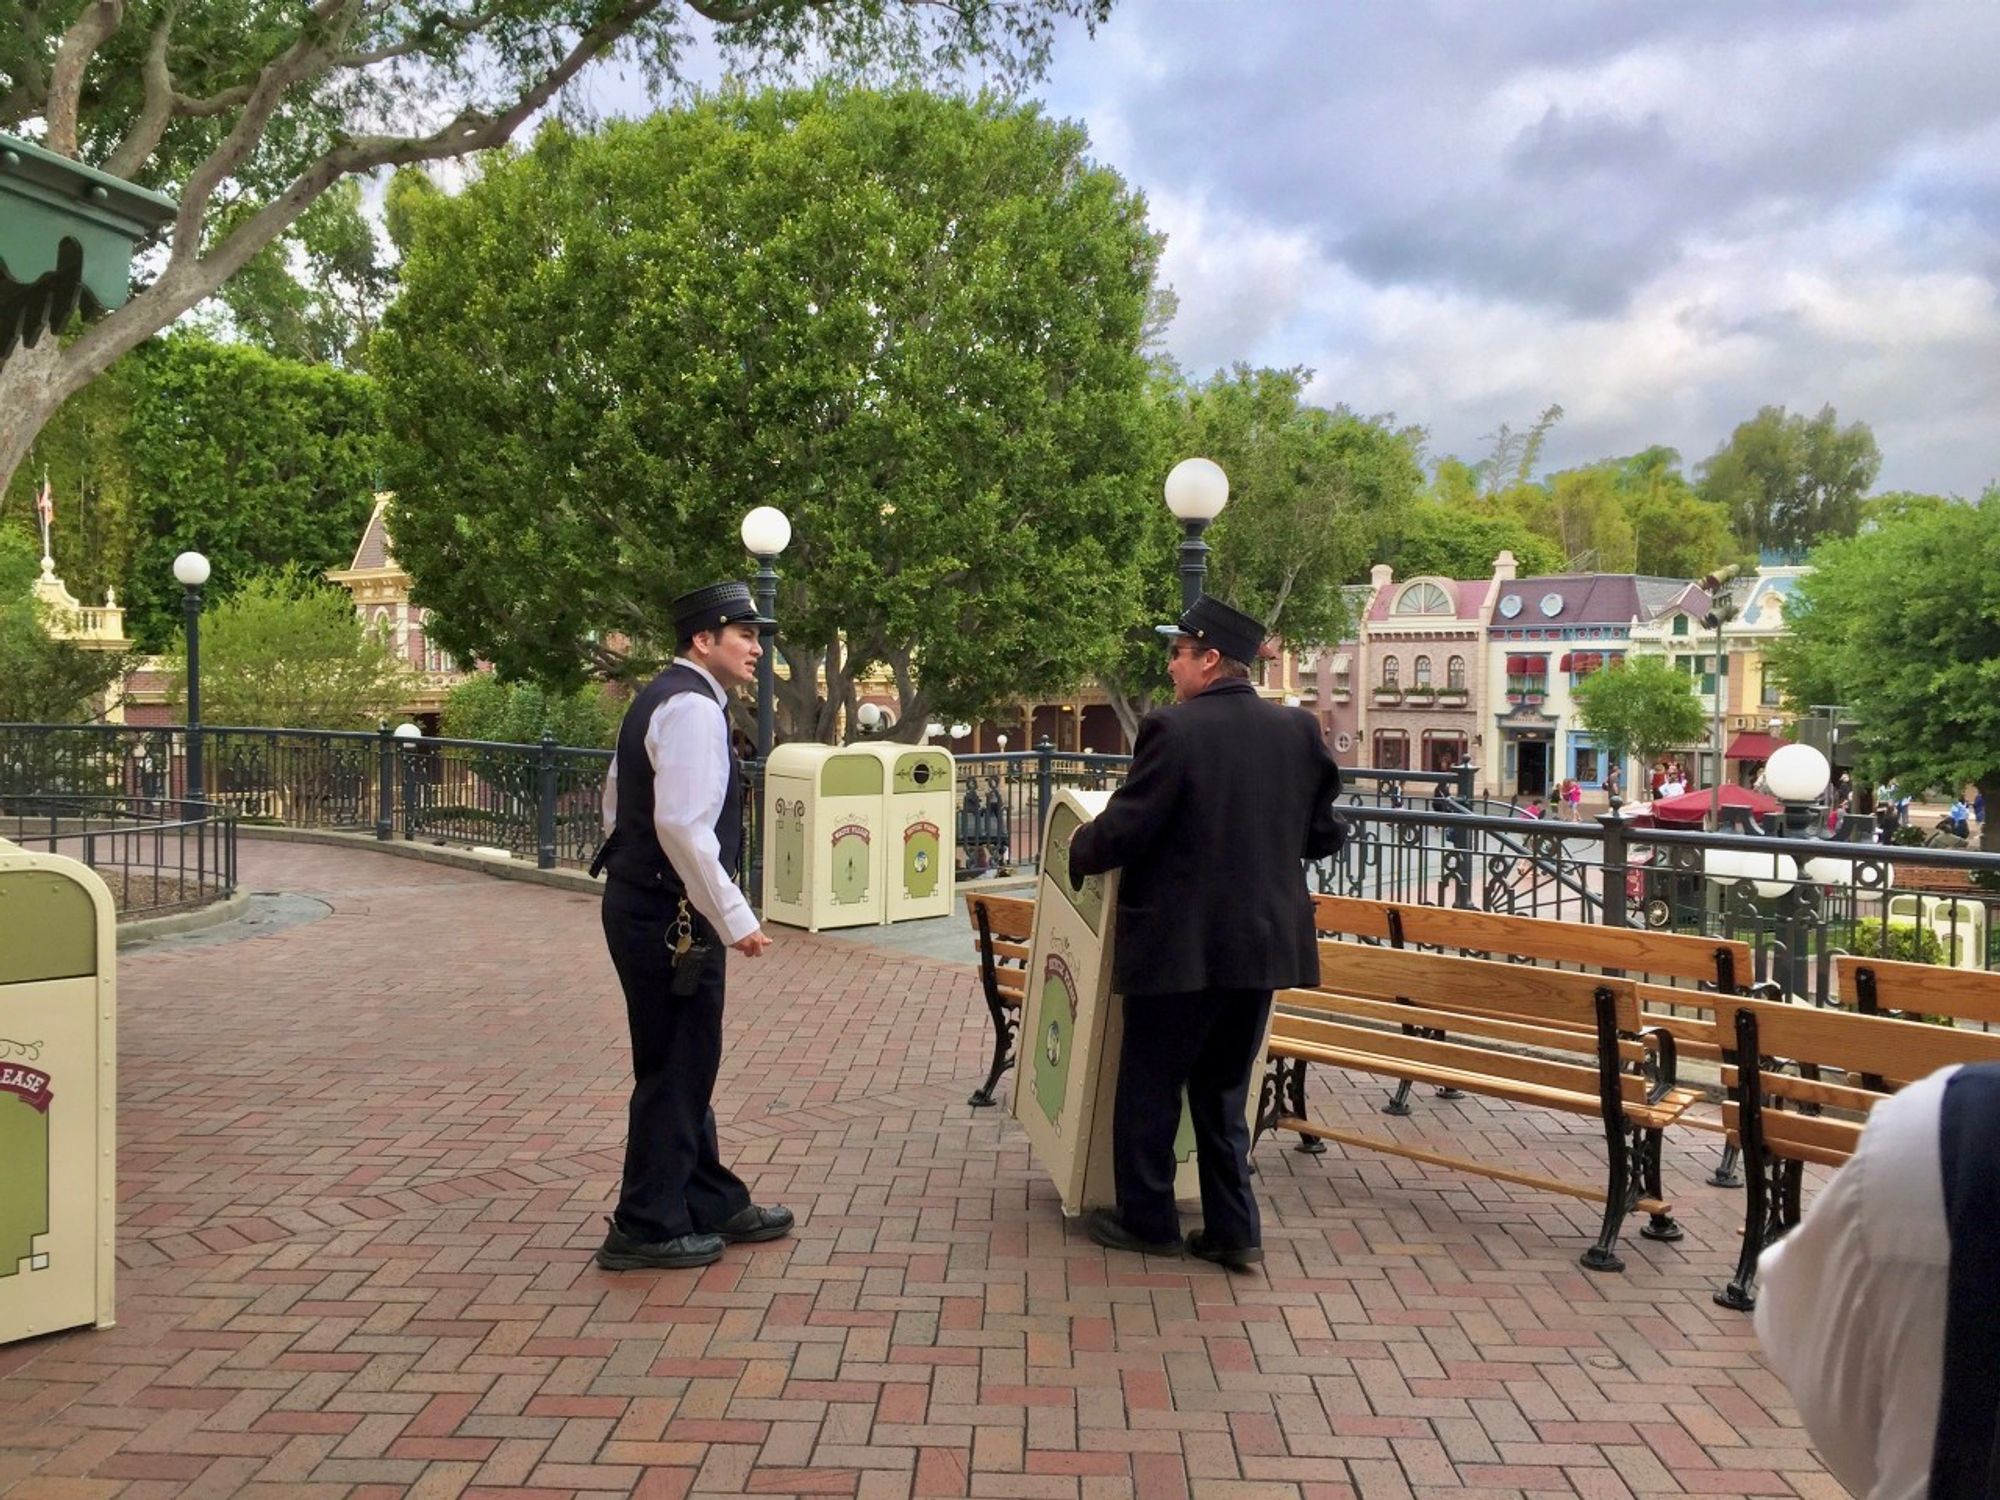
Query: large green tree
(247,111)
(1790,481)
(288,651)
(1453,541)
(1643,707)
(1901,625)
(255,461)
(911,323)
(519,713)
(1315,494)
(1676,532)
(84,455)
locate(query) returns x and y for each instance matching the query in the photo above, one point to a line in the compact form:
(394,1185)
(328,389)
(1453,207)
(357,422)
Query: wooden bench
(1785,1107)
(1718,965)
(1003,931)
(1547,1038)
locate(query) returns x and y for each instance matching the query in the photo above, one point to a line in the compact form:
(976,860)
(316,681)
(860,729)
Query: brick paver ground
(364,1162)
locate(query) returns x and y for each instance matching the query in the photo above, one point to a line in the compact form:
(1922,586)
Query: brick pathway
(364,1162)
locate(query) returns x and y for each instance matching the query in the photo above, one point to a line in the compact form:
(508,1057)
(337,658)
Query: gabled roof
(374,549)
(1598,599)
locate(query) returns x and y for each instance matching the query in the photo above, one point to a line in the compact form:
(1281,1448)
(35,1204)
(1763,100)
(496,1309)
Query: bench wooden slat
(1634,949)
(1393,1048)
(1322,1004)
(1930,989)
(1854,1044)
(1478,1169)
(1552,995)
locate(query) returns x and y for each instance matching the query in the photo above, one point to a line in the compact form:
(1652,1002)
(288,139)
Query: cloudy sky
(1661,215)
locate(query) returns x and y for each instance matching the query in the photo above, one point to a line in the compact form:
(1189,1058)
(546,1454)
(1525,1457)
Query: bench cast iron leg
(1004,1028)
(1770,1207)
(1619,1182)
(1658,1226)
(1725,1174)
(1295,1098)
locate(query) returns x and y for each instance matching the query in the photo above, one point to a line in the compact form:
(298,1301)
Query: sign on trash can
(58,1095)
(1073,1025)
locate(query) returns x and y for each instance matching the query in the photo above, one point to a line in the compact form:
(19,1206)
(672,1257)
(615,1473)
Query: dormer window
(1423,599)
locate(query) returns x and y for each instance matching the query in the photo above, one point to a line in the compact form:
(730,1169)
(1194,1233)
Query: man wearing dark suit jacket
(1227,795)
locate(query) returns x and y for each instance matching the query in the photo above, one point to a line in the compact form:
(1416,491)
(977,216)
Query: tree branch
(421,38)
(220,102)
(158,108)
(79,44)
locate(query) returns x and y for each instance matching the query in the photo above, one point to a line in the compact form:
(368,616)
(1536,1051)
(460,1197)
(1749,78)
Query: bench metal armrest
(1667,1068)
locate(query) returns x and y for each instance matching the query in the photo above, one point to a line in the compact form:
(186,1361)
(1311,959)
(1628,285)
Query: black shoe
(754,1224)
(1236,1257)
(620,1252)
(1104,1226)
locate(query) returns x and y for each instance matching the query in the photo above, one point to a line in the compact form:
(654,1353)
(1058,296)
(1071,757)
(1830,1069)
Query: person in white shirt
(1876,1311)
(673,815)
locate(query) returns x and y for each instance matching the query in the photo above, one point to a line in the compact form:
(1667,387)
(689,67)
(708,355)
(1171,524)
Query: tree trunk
(29,396)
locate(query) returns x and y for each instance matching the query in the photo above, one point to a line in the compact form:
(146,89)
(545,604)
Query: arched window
(1392,672)
(1454,674)
(1423,599)
(1422,676)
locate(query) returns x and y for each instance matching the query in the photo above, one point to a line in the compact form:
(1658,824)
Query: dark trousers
(1204,1042)
(675,1182)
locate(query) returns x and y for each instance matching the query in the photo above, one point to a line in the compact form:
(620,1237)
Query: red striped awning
(1752,747)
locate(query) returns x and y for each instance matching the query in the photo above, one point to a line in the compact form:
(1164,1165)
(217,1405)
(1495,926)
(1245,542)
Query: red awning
(1567,661)
(1752,747)
(1692,807)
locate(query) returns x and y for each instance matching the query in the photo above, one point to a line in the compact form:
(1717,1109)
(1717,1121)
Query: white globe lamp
(766,532)
(1797,773)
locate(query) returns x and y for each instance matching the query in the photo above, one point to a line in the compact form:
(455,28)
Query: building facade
(1544,637)
(1422,691)
(381,591)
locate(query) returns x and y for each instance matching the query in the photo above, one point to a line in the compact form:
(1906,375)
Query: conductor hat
(1214,626)
(714,605)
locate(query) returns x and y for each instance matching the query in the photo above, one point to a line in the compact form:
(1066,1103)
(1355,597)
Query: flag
(45,505)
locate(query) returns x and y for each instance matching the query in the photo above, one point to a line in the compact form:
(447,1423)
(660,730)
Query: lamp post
(191,572)
(1721,610)
(766,533)
(1197,489)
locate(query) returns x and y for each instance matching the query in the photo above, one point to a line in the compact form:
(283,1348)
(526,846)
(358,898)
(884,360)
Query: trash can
(917,824)
(1073,1025)
(823,851)
(58,1094)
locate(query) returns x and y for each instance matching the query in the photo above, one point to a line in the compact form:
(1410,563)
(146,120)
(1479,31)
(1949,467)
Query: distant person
(1572,794)
(1876,1311)
(1959,817)
(1612,783)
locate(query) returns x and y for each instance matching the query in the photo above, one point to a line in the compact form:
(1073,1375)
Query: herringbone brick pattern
(364,1162)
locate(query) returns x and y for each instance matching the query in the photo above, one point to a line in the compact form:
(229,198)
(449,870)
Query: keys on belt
(690,951)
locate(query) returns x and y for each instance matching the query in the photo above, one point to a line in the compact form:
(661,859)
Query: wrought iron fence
(154,860)
(1420,836)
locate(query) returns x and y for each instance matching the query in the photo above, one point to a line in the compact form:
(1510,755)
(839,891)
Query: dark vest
(634,854)
(1964,1461)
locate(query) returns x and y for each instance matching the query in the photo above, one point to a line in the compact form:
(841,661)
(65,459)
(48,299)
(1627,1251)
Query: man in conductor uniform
(673,807)
(1226,796)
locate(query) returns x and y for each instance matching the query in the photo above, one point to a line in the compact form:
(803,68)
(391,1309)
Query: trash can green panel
(851,776)
(923,770)
(48,927)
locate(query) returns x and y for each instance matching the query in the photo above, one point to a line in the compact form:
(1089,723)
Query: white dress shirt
(1851,1304)
(687,740)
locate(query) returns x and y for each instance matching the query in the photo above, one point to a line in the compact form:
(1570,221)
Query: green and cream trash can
(824,858)
(58,1094)
(1073,1026)
(918,828)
